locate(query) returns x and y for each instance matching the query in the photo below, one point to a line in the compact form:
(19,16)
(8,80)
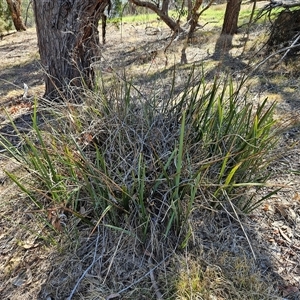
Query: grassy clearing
(214,16)
(140,18)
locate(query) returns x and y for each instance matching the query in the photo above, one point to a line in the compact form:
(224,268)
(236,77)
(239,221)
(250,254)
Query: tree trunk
(15,10)
(231,17)
(194,17)
(224,42)
(189,9)
(68,41)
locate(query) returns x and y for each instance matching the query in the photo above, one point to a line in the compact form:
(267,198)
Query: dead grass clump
(105,265)
(227,276)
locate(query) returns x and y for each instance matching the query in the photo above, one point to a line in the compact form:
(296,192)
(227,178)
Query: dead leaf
(24,277)
(278,224)
(282,210)
(29,245)
(13,110)
(148,253)
(56,224)
(87,138)
(82,210)
(289,290)
(54,219)
(292,215)
(284,235)
(296,197)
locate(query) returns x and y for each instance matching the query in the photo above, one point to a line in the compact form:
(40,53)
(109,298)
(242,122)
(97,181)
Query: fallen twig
(95,259)
(153,281)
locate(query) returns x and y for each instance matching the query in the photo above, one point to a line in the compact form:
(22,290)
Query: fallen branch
(274,54)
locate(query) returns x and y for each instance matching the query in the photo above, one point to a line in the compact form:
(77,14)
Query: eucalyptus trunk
(68,41)
(231,17)
(15,11)
(230,25)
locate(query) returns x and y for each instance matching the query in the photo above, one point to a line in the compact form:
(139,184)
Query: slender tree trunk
(104,21)
(224,42)
(68,41)
(231,17)
(15,10)
(103,24)
(189,9)
(194,17)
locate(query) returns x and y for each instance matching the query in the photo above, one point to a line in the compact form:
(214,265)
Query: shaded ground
(32,268)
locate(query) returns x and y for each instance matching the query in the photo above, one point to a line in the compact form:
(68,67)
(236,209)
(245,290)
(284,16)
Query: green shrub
(5,18)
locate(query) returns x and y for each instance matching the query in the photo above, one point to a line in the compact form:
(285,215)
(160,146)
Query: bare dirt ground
(32,268)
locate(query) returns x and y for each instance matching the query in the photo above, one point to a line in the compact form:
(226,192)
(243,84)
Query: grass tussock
(226,276)
(120,156)
(137,169)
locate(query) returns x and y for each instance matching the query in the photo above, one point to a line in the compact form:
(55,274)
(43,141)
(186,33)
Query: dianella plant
(130,161)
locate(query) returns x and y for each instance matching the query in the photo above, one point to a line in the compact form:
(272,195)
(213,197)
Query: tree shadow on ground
(12,131)
(158,84)
(283,86)
(13,78)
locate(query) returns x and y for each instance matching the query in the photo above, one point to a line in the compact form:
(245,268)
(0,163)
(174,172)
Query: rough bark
(15,10)
(162,13)
(285,33)
(68,41)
